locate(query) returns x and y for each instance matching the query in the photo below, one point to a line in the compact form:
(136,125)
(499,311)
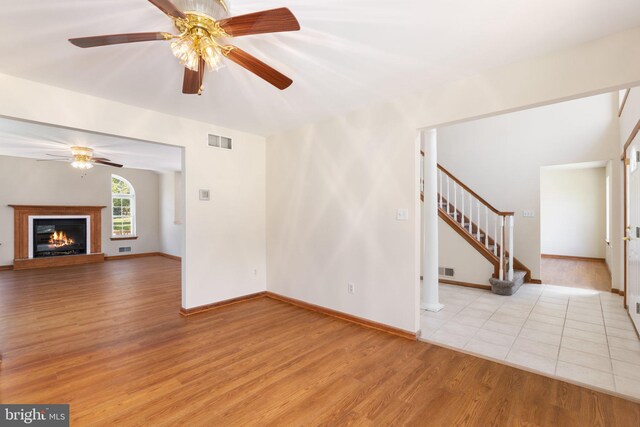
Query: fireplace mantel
(21,235)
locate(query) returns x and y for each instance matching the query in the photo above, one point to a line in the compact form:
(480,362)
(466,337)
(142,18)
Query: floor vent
(446,272)
(124,249)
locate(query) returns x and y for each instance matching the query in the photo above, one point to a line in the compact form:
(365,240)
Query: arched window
(123,207)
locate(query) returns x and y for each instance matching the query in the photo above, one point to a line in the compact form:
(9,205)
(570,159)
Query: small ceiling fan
(199,40)
(82,158)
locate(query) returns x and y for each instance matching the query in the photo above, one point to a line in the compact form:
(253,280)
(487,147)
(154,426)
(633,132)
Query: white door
(633,233)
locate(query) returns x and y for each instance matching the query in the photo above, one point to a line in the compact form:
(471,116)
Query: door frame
(625,165)
(625,222)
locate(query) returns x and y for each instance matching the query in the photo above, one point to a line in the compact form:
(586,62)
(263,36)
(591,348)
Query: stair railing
(471,212)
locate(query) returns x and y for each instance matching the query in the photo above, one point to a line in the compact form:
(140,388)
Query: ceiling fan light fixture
(82,164)
(82,157)
(211,53)
(184,48)
(81,151)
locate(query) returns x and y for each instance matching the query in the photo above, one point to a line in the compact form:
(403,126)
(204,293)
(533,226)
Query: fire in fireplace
(59,236)
(59,239)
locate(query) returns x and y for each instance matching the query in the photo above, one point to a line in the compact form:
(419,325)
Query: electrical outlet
(255,271)
(351,288)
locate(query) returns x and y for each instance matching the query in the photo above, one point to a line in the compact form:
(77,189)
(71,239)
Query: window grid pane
(123,208)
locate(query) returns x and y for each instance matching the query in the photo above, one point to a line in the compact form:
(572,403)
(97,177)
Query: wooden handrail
(470,191)
(624,101)
(499,213)
(474,194)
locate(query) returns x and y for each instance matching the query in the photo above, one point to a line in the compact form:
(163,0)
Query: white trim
(435,307)
(32,217)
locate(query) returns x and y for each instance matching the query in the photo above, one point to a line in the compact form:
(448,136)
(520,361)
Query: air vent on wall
(124,249)
(447,272)
(220,142)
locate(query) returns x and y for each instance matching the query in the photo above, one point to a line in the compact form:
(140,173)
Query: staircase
(486,229)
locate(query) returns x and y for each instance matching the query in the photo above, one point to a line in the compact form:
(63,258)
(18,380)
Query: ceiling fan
(201,26)
(82,158)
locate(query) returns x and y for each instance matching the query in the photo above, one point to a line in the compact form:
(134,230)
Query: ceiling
(35,141)
(347,55)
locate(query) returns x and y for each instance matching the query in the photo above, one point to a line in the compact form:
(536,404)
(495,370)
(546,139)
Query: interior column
(429,295)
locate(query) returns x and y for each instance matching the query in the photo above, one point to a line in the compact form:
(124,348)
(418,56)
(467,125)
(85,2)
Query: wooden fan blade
(268,21)
(57,155)
(101,158)
(168,8)
(117,39)
(193,79)
(102,162)
(52,160)
(257,67)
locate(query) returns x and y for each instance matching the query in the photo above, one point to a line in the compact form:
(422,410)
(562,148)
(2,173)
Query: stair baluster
(495,234)
(510,276)
(462,199)
(455,201)
(440,192)
(501,273)
(478,221)
(448,198)
(470,214)
(486,227)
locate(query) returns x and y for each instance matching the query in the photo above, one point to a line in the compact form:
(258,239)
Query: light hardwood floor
(575,273)
(108,339)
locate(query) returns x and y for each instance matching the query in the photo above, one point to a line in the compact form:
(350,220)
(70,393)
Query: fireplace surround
(50,236)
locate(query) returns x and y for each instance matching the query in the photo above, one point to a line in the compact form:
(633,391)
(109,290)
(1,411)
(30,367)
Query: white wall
(500,157)
(224,247)
(332,191)
(171,213)
(29,182)
(454,252)
(333,186)
(572,212)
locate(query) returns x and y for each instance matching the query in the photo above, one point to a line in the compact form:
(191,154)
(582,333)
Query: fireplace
(59,237)
(55,236)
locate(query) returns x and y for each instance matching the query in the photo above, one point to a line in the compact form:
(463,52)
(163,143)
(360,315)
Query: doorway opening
(575,225)
(56,173)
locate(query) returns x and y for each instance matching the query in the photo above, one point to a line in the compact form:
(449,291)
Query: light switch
(402,214)
(528,214)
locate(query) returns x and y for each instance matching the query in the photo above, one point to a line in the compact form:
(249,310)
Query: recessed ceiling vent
(220,142)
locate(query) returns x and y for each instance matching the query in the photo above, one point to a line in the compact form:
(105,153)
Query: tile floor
(583,336)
